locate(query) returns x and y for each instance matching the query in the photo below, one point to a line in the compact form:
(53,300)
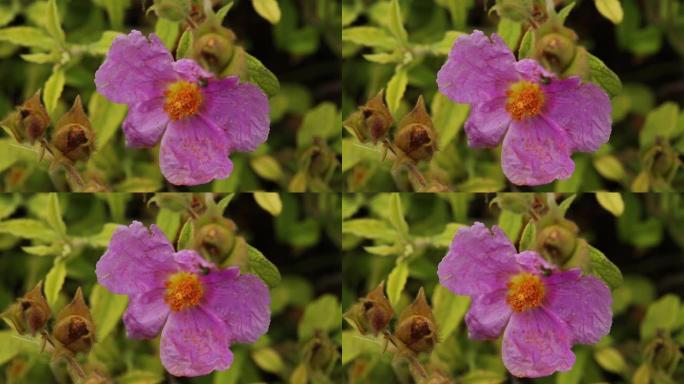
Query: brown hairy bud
(30,313)
(74,327)
(416,326)
(73,134)
(416,137)
(34,117)
(377,117)
(372,313)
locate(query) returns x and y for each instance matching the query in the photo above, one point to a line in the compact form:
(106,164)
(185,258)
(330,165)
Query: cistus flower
(540,118)
(200,310)
(199,119)
(541,311)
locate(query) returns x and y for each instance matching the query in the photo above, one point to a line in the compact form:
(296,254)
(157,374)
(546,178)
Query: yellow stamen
(525,99)
(525,291)
(183,99)
(183,290)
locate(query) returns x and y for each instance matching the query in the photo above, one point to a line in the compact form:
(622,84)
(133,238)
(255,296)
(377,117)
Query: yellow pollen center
(525,99)
(183,290)
(525,291)
(183,99)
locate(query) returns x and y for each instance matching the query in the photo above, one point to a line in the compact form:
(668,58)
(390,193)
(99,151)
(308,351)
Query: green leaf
(565,204)
(54,281)
(105,117)
(10,345)
(54,26)
(396,215)
(101,240)
(611,202)
(268,9)
(396,281)
(268,360)
(610,167)
(26,37)
(396,25)
(604,268)
(223,11)
(448,309)
(223,203)
(510,32)
(445,238)
(369,229)
(167,31)
(185,44)
(43,250)
(384,58)
(660,122)
(40,58)
(527,44)
(7,13)
(169,222)
(565,11)
(511,223)
(611,360)
(263,267)
(661,315)
(610,9)
(102,46)
(54,215)
(323,314)
(528,237)
(137,376)
(323,122)
(261,76)
(269,201)
(443,47)
(396,88)
(187,234)
(448,118)
(604,76)
(53,89)
(106,309)
(266,167)
(369,37)
(116,10)
(28,229)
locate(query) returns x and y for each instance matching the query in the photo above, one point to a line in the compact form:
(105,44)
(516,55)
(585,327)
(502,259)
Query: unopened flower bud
(556,51)
(30,313)
(661,160)
(214,46)
(416,137)
(74,327)
(318,160)
(34,117)
(174,10)
(377,117)
(320,352)
(215,240)
(662,352)
(372,313)
(416,326)
(557,242)
(73,134)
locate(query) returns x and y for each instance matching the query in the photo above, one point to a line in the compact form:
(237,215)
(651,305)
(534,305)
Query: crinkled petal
(583,302)
(194,342)
(190,261)
(488,315)
(532,262)
(194,151)
(531,70)
(487,123)
(145,123)
(536,343)
(137,260)
(479,261)
(478,69)
(241,110)
(136,69)
(536,151)
(189,70)
(241,301)
(583,110)
(145,315)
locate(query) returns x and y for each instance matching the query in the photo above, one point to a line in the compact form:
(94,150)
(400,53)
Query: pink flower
(200,310)
(200,119)
(540,310)
(541,119)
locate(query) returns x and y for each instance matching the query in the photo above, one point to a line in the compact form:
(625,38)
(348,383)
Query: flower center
(525,99)
(183,99)
(525,291)
(183,290)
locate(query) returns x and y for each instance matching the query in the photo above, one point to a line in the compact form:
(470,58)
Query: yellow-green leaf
(268,9)
(396,88)
(269,201)
(54,26)
(611,202)
(53,89)
(610,9)
(54,281)
(106,309)
(396,281)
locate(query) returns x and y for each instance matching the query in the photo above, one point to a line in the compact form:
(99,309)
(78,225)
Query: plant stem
(406,162)
(413,361)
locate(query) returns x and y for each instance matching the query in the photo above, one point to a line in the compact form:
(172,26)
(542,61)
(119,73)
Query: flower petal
(190,261)
(488,315)
(531,70)
(135,69)
(136,261)
(145,315)
(145,123)
(194,151)
(478,261)
(194,342)
(241,301)
(487,123)
(536,151)
(190,70)
(241,110)
(532,262)
(536,343)
(583,110)
(583,302)
(478,69)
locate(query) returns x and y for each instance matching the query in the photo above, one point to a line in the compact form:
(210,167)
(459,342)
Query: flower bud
(372,313)
(662,352)
(416,325)
(215,240)
(214,46)
(661,160)
(174,10)
(557,242)
(320,352)
(556,51)
(29,121)
(30,313)
(73,134)
(377,117)
(416,137)
(318,160)
(74,327)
